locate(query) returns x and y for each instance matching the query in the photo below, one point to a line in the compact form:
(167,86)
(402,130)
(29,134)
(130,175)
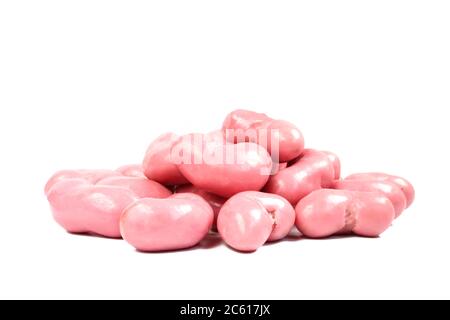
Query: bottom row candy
(147,215)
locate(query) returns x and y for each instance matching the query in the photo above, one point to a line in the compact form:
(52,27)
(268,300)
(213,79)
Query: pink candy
(313,170)
(249,219)
(216,202)
(91,201)
(327,212)
(243,181)
(178,222)
(257,127)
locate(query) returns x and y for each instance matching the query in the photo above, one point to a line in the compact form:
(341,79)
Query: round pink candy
(327,212)
(250,219)
(178,222)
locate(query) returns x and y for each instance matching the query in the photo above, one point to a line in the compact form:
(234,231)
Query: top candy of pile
(243,181)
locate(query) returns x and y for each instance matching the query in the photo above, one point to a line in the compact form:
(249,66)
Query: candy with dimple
(389,189)
(81,203)
(327,212)
(250,219)
(248,126)
(404,184)
(311,171)
(177,222)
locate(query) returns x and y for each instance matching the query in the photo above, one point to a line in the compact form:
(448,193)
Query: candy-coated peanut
(404,184)
(158,165)
(248,126)
(311,171)
(81,203)
(178,222)
(216,202)
(250,219)
(389,189)
(326,212)
(225,169)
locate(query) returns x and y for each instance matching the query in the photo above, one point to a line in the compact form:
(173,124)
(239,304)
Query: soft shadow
(92,235)
(211,240)
(341,236)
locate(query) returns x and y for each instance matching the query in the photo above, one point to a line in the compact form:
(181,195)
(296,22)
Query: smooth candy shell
(178,222)
(140,186)
(227,179)
(92,176)
(244,224)
(131,170)
(216,202)
(251,218)
(158,165)
(312,171)
(83,208)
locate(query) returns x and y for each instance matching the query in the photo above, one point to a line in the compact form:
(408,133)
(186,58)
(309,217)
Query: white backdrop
(91,83)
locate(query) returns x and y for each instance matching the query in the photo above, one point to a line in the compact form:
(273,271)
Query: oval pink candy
(225,169)
(327,212)
(81,206)
(404,184)
(157,164)
(216,202)
(389,189)
(311,171)
(178,222)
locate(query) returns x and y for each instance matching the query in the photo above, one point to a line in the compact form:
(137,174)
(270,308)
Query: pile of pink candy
(252,181)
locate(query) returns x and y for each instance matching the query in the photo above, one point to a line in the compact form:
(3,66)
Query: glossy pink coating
(336,163)
(404,184)
(327,212)
(311,171)
(216,202)
(225,169)
(92,176)
(178,222)
(131,170)
(250,219)
(389,189)
(81,206)
(141,186)
(289,137)
(157,163)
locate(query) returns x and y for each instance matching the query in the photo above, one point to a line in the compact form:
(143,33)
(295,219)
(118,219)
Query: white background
(88,84)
